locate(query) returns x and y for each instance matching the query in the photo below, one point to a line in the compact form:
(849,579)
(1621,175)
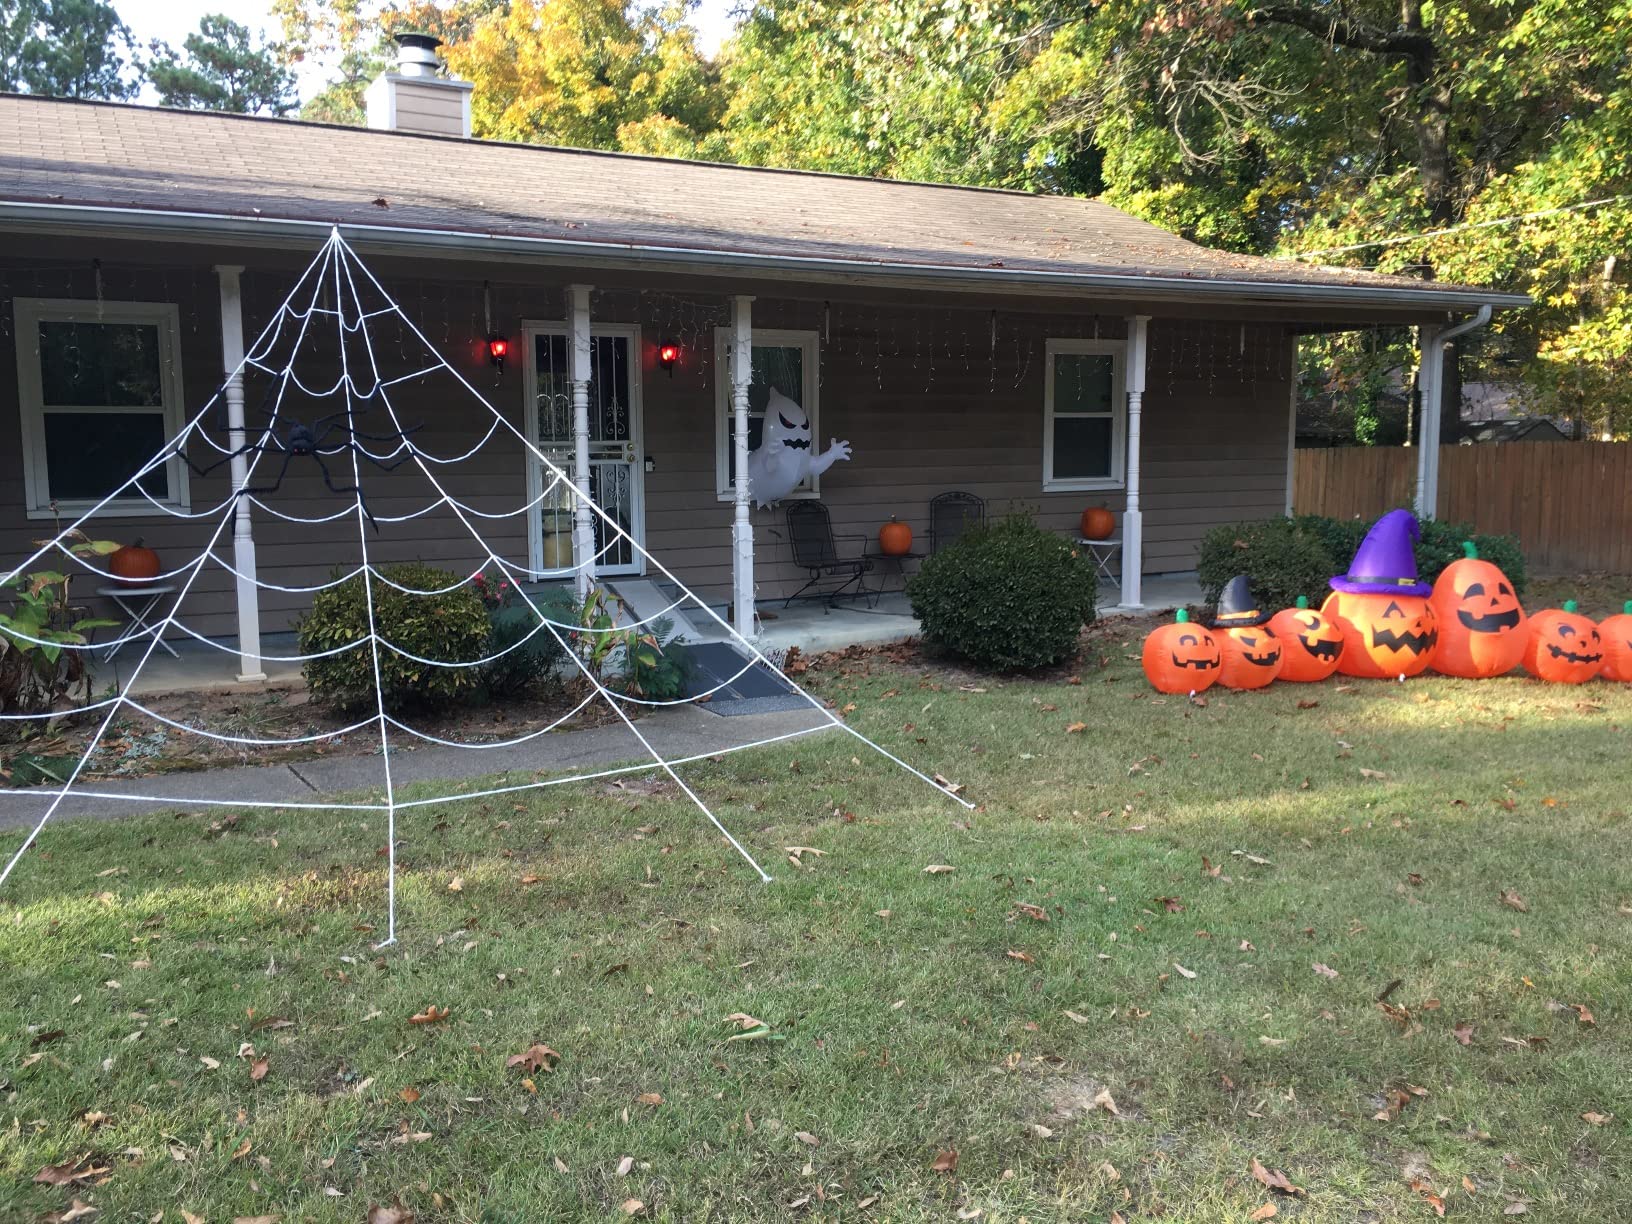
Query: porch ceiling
(123,169)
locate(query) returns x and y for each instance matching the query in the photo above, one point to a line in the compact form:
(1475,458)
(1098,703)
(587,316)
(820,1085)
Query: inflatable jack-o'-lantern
(1617,635)
(1479,619)
(1181,657)
(1563,647)
(1251,651)
(1388,628)
(1310,644)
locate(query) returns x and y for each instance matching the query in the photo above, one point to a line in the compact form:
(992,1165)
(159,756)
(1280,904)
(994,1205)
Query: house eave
(297,233)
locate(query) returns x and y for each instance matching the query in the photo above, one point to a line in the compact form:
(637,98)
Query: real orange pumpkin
(1252,656)
(1563,647)
(1385,635)
(1097,523)
(1617,634)
(1480,621)
(134,565)
(1310,644)
(894,538)
(1181,657)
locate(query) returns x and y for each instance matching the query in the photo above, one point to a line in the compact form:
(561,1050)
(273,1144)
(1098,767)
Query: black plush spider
(313,441)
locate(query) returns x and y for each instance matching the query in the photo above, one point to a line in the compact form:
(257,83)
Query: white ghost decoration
(784,460)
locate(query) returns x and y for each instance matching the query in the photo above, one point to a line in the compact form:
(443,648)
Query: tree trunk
(1432,91)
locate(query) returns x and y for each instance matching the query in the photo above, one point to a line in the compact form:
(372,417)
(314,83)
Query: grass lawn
(1091,1021)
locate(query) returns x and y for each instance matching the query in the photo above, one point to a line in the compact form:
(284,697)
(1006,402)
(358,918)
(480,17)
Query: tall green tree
(65,49)
(222,67)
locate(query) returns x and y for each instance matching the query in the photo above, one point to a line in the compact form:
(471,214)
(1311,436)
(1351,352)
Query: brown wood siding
(927,399)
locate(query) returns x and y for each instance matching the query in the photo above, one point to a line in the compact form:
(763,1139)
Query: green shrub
(451,626)
(537,666)
(653,669)
(1006,596)
(1288,557)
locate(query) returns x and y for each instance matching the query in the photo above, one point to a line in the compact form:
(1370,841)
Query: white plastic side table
(137,603)
(1105,553)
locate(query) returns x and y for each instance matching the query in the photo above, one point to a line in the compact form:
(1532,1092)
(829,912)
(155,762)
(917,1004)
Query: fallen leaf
(260,1219)
(536,1057)
(1515,1209)
(806,1138)
(946,1162)
(1583,1016)
(1463,1032)
(1103,1100)
(431,1015)
(624,1165)
(1274,1179)
(258,1070)
(745,1022)
(409,1094)
(1020,956)
(1433,1200)
(1183,972)
(378,1214)
(1171,904)
(1325,971)
(1512,900)
(1076,728)
(457,884)
(1268,1211)
(650,1098)
(1038,1131)
(77,1210)
(1372,773)
(1076,1017)
(938,869)
(632,1206)
(1596,1119)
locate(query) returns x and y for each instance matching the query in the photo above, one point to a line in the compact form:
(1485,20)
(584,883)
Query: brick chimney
(416,97)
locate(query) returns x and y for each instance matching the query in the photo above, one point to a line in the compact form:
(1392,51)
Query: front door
(615,458)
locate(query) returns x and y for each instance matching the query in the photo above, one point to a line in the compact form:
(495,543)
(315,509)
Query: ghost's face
(786,422)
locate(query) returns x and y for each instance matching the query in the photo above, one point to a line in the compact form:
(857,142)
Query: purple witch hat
(1386,564)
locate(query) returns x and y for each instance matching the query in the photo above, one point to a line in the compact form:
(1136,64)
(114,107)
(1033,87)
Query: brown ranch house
(1040,353)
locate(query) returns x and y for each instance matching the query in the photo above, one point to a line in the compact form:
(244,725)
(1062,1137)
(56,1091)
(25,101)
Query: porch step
(644,598)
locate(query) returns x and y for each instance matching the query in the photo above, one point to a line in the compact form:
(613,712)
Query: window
(784,360)
(99,389)
(1084,415)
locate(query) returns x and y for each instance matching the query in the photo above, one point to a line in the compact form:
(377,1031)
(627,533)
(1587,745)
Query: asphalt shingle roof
(112,155)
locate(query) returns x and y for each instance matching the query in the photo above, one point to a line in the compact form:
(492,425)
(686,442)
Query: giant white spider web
(335,307)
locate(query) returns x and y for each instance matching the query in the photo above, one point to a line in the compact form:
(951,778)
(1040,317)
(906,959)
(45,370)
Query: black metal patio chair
(950,515)
(815,550)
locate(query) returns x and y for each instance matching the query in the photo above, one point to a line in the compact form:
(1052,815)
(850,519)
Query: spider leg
(353,489)
(224,459)
(277,482)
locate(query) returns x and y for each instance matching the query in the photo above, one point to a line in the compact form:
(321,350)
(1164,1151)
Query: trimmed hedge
(452,626)
(1007,596)
(1288,557)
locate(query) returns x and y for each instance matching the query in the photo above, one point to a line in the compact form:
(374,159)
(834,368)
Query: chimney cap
(416,53)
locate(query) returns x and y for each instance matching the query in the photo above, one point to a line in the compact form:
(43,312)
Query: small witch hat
(1386,564)
(1237,607)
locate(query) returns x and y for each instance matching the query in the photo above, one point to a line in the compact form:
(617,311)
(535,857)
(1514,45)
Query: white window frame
(1117,350)
(810,345)
(28,314)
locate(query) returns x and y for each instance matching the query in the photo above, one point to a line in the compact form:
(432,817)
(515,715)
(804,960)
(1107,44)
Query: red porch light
(497,349)
(667,355)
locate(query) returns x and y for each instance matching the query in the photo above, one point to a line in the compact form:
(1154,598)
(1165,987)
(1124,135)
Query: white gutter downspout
(243,538)
(1431,387)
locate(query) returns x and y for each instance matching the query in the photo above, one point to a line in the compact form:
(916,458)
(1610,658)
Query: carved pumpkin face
(1181,657)
(1385,635)
(1563,647)
(1310,644)
(1481,624)
(1252,656)
(1617,635)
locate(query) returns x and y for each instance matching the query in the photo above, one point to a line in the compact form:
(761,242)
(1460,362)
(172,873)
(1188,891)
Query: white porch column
(1428,383)
(1133,523)
(742,528)
(243,536)
(583,527)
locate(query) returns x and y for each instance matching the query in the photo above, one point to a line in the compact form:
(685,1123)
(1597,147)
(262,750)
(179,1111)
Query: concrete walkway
(681,731)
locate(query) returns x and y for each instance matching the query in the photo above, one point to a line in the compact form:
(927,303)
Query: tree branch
(1347,32)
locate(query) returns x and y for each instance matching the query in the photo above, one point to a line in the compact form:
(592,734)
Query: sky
(172,20)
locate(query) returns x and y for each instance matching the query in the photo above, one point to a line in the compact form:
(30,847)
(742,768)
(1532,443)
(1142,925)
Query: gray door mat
(758,690)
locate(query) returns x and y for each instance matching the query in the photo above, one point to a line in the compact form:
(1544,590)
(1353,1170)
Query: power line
(1454,229)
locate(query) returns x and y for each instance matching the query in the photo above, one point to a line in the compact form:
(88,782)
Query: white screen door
(615,458)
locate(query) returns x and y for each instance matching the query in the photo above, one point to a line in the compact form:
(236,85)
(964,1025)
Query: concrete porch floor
(810,625)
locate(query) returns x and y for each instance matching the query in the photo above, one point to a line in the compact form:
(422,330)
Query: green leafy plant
(525,658)
(652,668)
(451,626)
(1288,557)
(42,674)
(1008,596)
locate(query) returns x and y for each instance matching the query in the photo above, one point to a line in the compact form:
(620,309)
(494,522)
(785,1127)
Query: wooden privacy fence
(1569,503)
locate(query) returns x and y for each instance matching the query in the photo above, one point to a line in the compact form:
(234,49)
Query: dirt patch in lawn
(136,745)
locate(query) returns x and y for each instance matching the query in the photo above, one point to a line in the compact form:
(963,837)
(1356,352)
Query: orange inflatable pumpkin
(1617,635)
(1252,657)
(1310,644)
(1181,657)
(1385,636)
(1563,646)
(1480,621)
